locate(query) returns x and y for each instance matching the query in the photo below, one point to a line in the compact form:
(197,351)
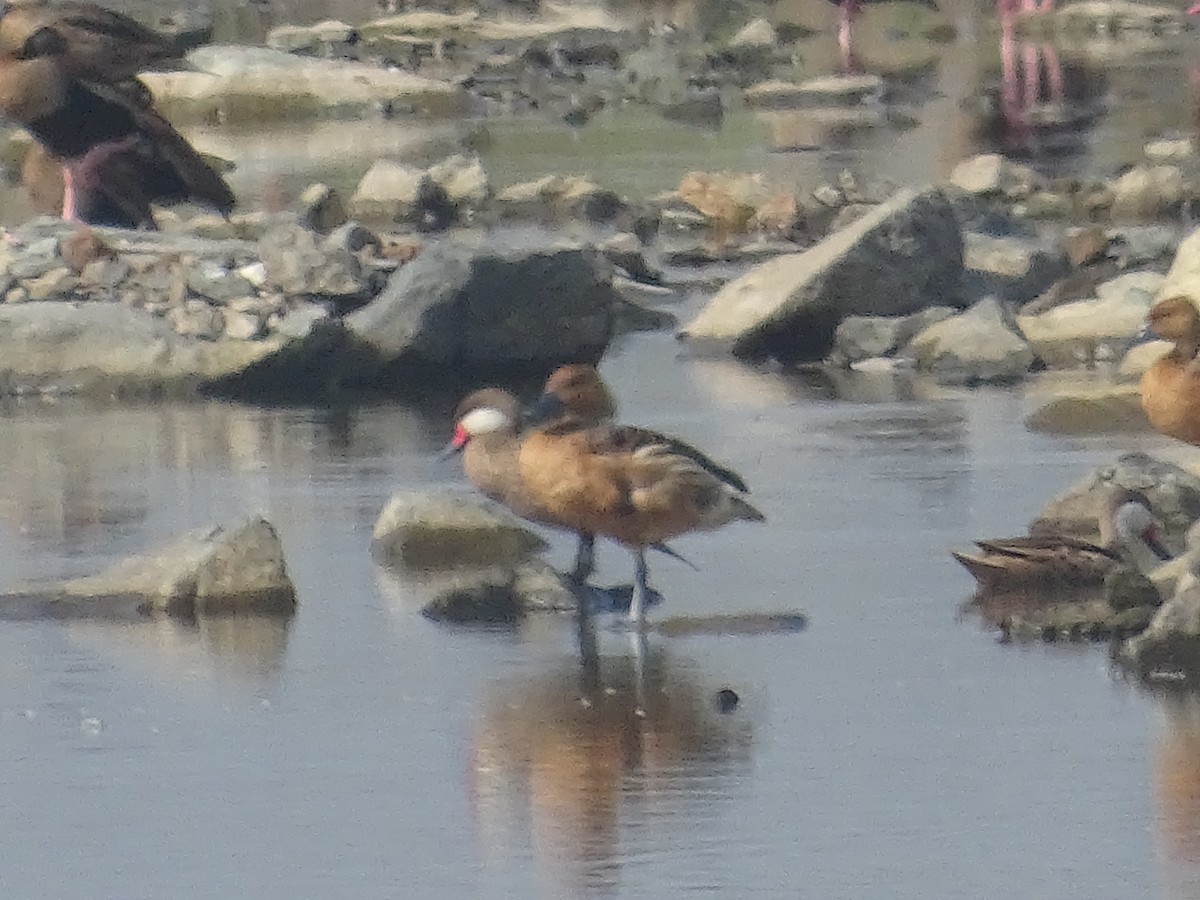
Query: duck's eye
(43,42)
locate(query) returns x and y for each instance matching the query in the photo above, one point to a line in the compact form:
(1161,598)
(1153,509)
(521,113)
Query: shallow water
(891,749)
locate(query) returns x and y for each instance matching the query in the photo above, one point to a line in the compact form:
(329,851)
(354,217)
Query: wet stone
(255,273)
(37,259)
(626,251)
(1086,245)
(197,319)
(57,284)
(216,282)
(1170,149)
(302,321)
(322,209)
(105,273)
(242,326)
(351,237)
(84,246)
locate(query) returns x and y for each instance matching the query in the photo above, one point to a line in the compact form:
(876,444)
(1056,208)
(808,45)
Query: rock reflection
(576,756)
(243,646)
(90,473)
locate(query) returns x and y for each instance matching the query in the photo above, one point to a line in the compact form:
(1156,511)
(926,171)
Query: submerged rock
(258,84)
(554,197)
(990,175)
(903,256)
(1095,409)
(830,90)
(236,568)
(499,594)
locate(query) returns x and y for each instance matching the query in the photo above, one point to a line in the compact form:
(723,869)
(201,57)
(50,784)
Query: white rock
(975,346)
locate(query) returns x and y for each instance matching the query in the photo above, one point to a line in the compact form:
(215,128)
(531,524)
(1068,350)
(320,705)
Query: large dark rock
(903,256)
(486,307)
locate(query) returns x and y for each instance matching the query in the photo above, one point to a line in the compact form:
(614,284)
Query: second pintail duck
(68,76)
(1128,533)
(633,485)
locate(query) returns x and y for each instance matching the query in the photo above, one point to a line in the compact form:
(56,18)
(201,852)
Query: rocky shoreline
(433,272)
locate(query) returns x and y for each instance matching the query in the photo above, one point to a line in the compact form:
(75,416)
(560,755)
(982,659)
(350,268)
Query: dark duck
(68,75)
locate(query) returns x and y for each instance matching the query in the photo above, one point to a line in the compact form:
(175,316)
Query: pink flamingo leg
(68,205)
(1033,77)
(1054,74)
(847,11)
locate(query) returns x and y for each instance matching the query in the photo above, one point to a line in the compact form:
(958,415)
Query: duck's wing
(170,169)
(634,439)
(1038,544)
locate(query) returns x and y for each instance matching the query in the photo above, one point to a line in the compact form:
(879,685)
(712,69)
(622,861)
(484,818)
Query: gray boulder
(991,175)
(1091,330)
(903,256)
(455,305)
(109,348)
(446,529)
(236,568)
(1015,269)
(1174,495)
(975,346)
(394,191)
(865,337)
(1146,192)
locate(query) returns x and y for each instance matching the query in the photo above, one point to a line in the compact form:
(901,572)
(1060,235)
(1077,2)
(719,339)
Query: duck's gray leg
(585,557)
(637,606)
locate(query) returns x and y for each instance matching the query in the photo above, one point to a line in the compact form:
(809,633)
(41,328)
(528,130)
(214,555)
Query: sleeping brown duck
(68,76)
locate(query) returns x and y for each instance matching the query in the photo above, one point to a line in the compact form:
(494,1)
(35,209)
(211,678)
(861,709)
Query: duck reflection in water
(1176,785)
(572,763)
(244,647)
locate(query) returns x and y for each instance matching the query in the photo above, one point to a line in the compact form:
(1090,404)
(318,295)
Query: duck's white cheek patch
(484,420)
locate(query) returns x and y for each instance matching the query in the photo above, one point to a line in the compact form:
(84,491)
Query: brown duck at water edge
(1128,531)
(632,485)
(488,433)
(1170,388)
(65,78)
